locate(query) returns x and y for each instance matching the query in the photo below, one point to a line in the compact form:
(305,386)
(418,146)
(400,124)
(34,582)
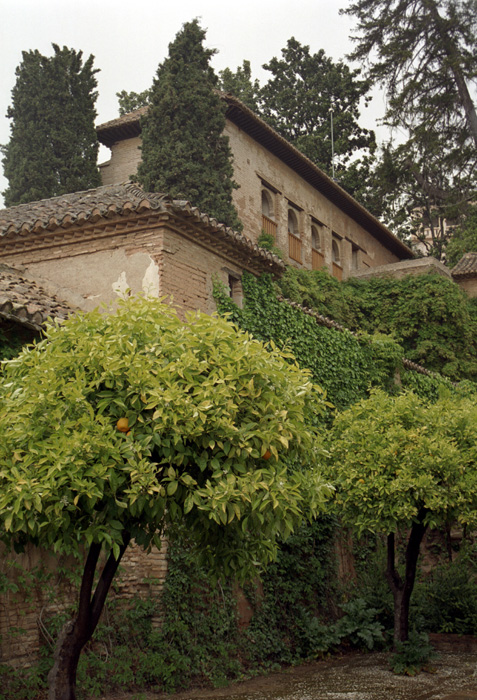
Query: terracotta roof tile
(25,301)
(467,266)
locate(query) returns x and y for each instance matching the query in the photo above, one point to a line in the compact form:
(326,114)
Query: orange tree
(222,437)
(400,466)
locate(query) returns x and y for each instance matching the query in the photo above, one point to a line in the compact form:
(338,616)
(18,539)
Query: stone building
(281,192)
(83,249)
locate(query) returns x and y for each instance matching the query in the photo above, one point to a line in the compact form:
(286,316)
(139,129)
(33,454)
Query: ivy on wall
(429,315)
(346,365)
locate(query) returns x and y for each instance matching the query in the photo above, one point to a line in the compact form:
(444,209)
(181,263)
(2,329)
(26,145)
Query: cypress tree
(53,145)
(184,151)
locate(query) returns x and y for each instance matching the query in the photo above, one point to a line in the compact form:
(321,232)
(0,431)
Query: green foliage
(53,145)
(428,315)
(296,101)
(204,403)
(184,151)
(446,600)
(343,364)
(464,238)
(393,457)
(296,591)
(267,241)
(422,52)
(359,625)
(130,101)
(240,84)
(412,656)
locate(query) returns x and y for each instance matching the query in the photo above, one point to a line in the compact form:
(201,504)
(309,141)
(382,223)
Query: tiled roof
(129,125)
(467,266)
(126,199)
(26,302)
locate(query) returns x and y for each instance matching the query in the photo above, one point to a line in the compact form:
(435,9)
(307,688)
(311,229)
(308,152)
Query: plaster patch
(150,281)
(121,287)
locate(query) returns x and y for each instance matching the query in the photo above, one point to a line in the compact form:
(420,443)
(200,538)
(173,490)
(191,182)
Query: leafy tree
(423,53)
(241,85)
(464,238)
(221,440)
(53,144)
(130,101)
(184,152)
(297,100)
(400,467)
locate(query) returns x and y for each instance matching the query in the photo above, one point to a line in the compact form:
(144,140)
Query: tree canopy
(297,100)
(221,437)
(53,145)
(423,53)
(401,465)
(184,151)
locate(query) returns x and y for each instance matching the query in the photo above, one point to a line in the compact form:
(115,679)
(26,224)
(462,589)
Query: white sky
(129,38)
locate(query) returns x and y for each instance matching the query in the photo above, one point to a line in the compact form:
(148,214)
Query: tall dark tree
(53,145)
(297,100)
(184,150)
(423,52)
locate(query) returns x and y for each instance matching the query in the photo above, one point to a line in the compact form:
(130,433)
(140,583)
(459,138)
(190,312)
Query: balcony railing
(337,271)
(294,247)
(269,226)
(317,259)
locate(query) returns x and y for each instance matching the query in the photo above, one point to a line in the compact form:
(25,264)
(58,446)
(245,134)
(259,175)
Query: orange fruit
(122,425)
(267,455)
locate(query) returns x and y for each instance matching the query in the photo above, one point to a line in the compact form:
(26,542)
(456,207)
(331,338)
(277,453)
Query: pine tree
(53,145)
(423,53)
(184,151)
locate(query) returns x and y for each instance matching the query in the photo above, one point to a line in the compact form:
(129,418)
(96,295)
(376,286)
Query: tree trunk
(454,63)
(402,588)
(76,633)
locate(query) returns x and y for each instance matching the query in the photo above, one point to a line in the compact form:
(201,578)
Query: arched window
(315,238)
(267,205)
(292,223)
(335,252)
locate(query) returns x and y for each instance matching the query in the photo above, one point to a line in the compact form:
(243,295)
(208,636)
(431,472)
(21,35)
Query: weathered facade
(114,240)
(313,220)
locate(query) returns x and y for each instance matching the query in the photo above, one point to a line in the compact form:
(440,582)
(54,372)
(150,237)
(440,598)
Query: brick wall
(35,588)
(124,161)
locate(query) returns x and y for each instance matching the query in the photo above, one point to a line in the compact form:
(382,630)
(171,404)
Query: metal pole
(332,143)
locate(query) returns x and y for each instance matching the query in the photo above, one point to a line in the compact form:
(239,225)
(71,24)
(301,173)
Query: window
(335,251)
(294,242)
(235,289)
(317,258)
(292,222)
(315,238)
(337,270)
(269,226)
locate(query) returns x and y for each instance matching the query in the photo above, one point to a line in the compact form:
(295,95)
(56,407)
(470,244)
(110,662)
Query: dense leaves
(53,144)
(429,315)
(184,151)
(204,405)
(297,100)
(402,465)
(423,53)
